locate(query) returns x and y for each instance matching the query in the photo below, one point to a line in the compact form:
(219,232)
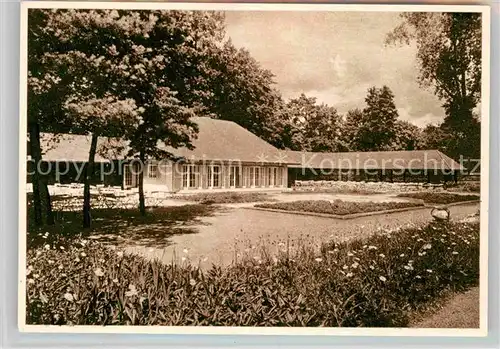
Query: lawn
(113,225)
(225,197)
(337,207)
(440,198)
(376,282)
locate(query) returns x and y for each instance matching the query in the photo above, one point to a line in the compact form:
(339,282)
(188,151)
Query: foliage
(225,197)
(408,136)
(337,207)
(449,57)
(439,198)
(378,124)
(375,283)
(318,126)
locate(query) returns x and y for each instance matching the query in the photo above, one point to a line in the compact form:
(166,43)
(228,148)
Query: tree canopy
(449,60)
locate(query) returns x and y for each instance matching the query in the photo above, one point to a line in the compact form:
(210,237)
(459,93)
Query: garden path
(232,233)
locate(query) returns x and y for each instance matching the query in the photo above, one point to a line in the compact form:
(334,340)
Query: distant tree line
(140,75)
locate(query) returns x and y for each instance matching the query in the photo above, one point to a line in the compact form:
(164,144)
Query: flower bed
(337,207)
(352,187)
(440,198)
(225,197)
(374,282)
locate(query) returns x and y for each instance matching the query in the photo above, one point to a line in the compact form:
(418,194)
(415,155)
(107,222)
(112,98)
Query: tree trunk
(142,203)
(89,171)
(49,216)
(36,156)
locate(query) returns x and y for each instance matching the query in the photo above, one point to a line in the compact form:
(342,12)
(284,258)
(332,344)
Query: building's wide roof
(218,140)
(390,160)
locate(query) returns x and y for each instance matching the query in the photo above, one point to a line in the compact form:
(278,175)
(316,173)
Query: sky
(335,57)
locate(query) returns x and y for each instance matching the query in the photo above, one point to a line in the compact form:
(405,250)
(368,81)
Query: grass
(337,207)
(113,225)
(374,282)
(225,197)
(439,198)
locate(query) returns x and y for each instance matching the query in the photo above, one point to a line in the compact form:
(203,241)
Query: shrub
(374,282)
(470,187)
(225,197)
(440,198)
(337,207)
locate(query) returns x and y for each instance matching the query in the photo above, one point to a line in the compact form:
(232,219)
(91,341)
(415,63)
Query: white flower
(429,271)
(47,247)
(77,259)
(38,253)
(410,261)
(382,278)
(69,297)
(454,252)
(345,267)
(372,247)
(402,255)
(350,254)
(418,277)
(382,255)
(355,265)
(349,275)
(115,281)
(60,267)
(185,250)
(83,254)
(408,267)
(372,267)
(132,291)
(61,247)
(98,272)
(119,253)
(422,253)
(318,260)
(427,247)
(331,252)
(192,282)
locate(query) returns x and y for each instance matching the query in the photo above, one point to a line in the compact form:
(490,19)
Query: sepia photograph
(190,168)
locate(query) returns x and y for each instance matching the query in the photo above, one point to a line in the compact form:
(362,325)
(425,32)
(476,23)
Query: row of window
(251,177)
(246,176)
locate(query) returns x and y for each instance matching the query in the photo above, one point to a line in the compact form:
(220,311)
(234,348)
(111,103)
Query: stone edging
(357,215)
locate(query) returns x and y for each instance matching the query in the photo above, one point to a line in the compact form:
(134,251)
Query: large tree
(377,129)
(449,59)
(316,127)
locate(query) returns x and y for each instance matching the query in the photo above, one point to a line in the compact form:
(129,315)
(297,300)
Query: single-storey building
(225,157)
(404,165)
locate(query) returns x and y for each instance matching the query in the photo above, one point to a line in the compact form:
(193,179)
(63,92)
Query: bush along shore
(337,207)
(373,282)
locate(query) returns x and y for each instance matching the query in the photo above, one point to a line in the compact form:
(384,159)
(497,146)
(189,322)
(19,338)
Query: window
(234,177)
(214,176)
(190,176)
(257,176)
(152,170)
(251,177)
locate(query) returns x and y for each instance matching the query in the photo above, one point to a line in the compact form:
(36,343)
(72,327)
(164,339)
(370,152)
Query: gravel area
(235,232)
(461,310)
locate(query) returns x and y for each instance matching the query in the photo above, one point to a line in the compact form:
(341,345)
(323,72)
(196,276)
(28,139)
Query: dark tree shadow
(125,226)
